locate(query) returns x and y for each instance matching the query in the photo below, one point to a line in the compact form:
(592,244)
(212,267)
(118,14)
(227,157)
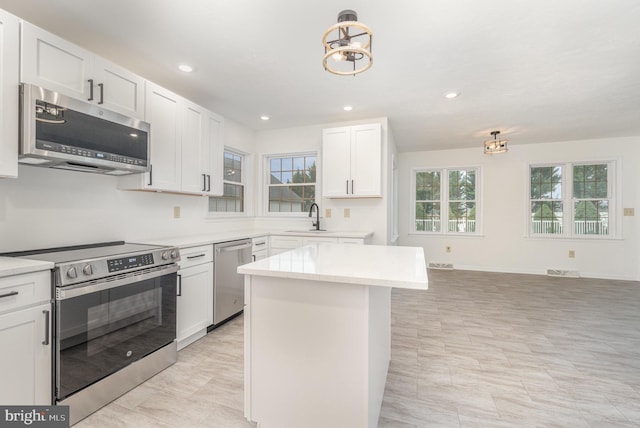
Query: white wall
(504,246)
(47,207)
(366,214)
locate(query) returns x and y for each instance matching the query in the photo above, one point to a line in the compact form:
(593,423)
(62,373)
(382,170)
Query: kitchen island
(317,332)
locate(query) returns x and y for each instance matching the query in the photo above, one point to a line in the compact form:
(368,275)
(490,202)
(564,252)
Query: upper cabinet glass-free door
(61,66)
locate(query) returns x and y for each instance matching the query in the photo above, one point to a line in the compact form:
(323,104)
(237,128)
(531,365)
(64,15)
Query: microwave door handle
(101,86)
(90,90)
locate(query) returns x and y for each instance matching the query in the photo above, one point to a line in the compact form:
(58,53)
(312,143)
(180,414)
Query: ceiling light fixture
(451,95)
(186,68)
(347,108)
(347,46)
(264,117)
(495,146)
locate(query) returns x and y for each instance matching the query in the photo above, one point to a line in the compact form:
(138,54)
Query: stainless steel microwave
(57,131)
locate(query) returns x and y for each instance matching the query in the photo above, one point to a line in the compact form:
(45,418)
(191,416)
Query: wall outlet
(176,212)
(448,248)
(629,212)
(347,212)
(327,213)
(572,254)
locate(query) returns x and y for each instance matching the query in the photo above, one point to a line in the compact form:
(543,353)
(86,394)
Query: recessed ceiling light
(451,95)
(347,108)
(186,68)
(265,117)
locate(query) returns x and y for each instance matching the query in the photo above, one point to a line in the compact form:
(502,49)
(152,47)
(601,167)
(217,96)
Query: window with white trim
(445,200)
(292,183)
(571,199)
(232,199)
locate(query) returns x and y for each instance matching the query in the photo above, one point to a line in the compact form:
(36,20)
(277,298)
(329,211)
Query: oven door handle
(63,293)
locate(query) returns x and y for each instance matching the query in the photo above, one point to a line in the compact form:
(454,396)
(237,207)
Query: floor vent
(440,266)
(564,273)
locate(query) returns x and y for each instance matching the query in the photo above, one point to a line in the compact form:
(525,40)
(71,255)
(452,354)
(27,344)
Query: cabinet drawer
(286,242)
(24,290)
(194,256)
(260,243)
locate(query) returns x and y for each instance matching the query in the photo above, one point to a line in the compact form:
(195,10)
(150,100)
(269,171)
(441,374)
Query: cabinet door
(122,90)
(366,160)
(336,163)
(213,153)
(25,360)
(9,67)
(195,300)
(54,63)
(194,177)
(163,113)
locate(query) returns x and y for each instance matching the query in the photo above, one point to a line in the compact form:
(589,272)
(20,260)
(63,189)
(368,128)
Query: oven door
(106,326)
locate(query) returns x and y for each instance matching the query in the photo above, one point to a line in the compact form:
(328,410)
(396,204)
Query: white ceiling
(539,71)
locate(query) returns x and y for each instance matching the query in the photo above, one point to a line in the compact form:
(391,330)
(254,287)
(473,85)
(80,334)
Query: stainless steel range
(115,319)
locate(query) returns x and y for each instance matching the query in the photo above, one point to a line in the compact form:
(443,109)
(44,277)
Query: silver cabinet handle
(254,257)
(101,86)
(179,285)
(204,182)
(196,257)
(9,294)
(90,90)
(347,182)
(260,243)
(208,183)
(46,328)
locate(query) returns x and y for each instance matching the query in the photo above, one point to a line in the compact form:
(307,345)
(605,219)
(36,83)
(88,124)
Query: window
(446,194)
(572,199)
(232,199)
(292,183)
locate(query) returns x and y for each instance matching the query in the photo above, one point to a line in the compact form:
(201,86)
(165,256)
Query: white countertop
(213,238)
(14,266)
(387,266)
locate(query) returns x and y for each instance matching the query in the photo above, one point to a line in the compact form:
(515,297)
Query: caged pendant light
(495,146)
(347,46)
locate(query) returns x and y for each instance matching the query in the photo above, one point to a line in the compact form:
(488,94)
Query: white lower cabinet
(260,248)
(281,243)
(25,335)
(195,294)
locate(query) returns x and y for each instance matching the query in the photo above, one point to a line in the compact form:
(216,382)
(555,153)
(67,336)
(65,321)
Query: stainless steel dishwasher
(228,284)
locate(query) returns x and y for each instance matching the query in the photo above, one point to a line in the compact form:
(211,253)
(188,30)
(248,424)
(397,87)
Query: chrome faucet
(316,223)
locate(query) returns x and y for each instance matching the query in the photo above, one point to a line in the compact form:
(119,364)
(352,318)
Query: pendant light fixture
(347,46)
(495,146)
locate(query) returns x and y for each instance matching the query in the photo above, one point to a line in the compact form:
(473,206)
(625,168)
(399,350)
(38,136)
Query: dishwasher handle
(233,248)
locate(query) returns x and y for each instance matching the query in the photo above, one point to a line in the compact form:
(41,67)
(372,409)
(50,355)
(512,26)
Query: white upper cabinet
(9,67)
(213,153)
(186,147)
(352,161)
(56,64)
(195,177)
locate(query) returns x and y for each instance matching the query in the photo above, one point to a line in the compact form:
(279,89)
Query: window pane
(276,178)
(287,164)
(232,199)
(428,216)
(292,184)
(546,217)
(591,217)
(275,165)
(428,186)
(546,182)
(590,181)
(287,177)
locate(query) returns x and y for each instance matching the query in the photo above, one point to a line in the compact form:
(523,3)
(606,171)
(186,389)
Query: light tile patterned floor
(475,350)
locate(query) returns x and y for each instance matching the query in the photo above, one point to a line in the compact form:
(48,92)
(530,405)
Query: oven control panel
(129,262)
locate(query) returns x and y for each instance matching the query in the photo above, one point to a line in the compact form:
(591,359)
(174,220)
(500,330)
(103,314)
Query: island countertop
(380,265)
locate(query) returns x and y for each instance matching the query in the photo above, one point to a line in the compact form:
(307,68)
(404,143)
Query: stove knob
(87,270)
(165,255)
(174,254)
(72,273)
